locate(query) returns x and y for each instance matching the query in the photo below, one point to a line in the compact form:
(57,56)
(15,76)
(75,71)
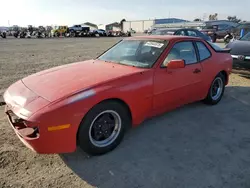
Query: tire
(214,38)
(213,100)
(86,132)
(227,40)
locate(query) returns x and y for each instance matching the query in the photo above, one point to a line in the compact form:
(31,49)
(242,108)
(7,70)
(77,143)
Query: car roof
(169,29)
(175,29)
(164,37)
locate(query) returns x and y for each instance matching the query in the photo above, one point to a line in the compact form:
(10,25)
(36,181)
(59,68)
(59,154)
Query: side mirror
(176,64)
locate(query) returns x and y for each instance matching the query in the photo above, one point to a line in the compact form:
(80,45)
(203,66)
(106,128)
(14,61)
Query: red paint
(147,92)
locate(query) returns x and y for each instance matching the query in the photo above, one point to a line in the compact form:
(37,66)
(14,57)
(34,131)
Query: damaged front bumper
(28,135)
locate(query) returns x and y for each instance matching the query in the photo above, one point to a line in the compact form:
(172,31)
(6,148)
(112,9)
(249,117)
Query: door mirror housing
(176,64)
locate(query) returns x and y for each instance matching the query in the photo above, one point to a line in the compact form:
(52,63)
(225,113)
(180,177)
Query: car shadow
(193,146)
(245,76)
(241,66)
(242,69)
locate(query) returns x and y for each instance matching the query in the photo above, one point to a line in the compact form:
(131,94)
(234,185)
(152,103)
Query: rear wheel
(216,90)
(103,128)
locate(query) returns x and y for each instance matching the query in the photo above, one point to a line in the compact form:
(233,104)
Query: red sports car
(92,103)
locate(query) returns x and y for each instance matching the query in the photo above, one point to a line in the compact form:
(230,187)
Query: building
(142,25)
(169,21)
(221,22)
(90,25)
(138,25)
(181,25)
(113,27)
(101,26)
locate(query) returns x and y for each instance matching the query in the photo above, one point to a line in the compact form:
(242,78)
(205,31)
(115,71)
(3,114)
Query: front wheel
(216,90)
(4,35)
(103,128)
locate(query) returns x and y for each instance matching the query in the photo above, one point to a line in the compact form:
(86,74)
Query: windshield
(137,53)
(246,37)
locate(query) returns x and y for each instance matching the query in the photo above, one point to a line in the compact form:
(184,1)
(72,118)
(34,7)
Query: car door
(173,88)
(204,55)
(76,27)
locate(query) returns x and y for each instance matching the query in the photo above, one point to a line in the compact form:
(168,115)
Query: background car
(217,29)
(181,31)
(58,30)
(241,29)
(240,49)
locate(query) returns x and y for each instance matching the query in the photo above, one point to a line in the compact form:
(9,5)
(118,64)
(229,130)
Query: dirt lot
(194,146)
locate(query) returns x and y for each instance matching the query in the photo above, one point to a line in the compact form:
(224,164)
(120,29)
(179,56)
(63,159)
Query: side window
(182,50)
(180,32)
(222,27)
(203,51)
(192,33)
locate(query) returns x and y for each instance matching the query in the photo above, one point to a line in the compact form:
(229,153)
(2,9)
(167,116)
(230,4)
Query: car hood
(63,81)
(239,47)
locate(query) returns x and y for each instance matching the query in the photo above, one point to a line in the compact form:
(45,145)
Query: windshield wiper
(128,63)
(137,64)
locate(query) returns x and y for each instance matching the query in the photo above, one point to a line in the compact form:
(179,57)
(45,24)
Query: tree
(234,19)
(121,23)
(213,16)
(197,20)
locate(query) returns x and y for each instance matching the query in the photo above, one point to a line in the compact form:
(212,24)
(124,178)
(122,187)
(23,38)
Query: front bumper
(41,128)
(39,139)
(29,139)
(241,57)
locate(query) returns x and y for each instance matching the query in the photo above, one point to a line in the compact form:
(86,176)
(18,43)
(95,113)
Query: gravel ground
(193,146)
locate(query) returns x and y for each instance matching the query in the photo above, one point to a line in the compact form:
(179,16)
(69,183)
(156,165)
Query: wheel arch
(226,76)
(118,100)
(122,102)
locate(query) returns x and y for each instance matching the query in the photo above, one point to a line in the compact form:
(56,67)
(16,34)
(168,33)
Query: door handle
(196,71)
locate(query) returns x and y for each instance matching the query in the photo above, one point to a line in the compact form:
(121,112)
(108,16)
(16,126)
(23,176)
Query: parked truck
(218,29)
(78,30)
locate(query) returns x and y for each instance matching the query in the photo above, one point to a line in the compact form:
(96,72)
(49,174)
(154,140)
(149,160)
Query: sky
(69,12)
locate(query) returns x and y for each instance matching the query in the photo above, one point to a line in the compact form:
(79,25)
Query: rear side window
(180,32)
(192,33)
(203,51)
